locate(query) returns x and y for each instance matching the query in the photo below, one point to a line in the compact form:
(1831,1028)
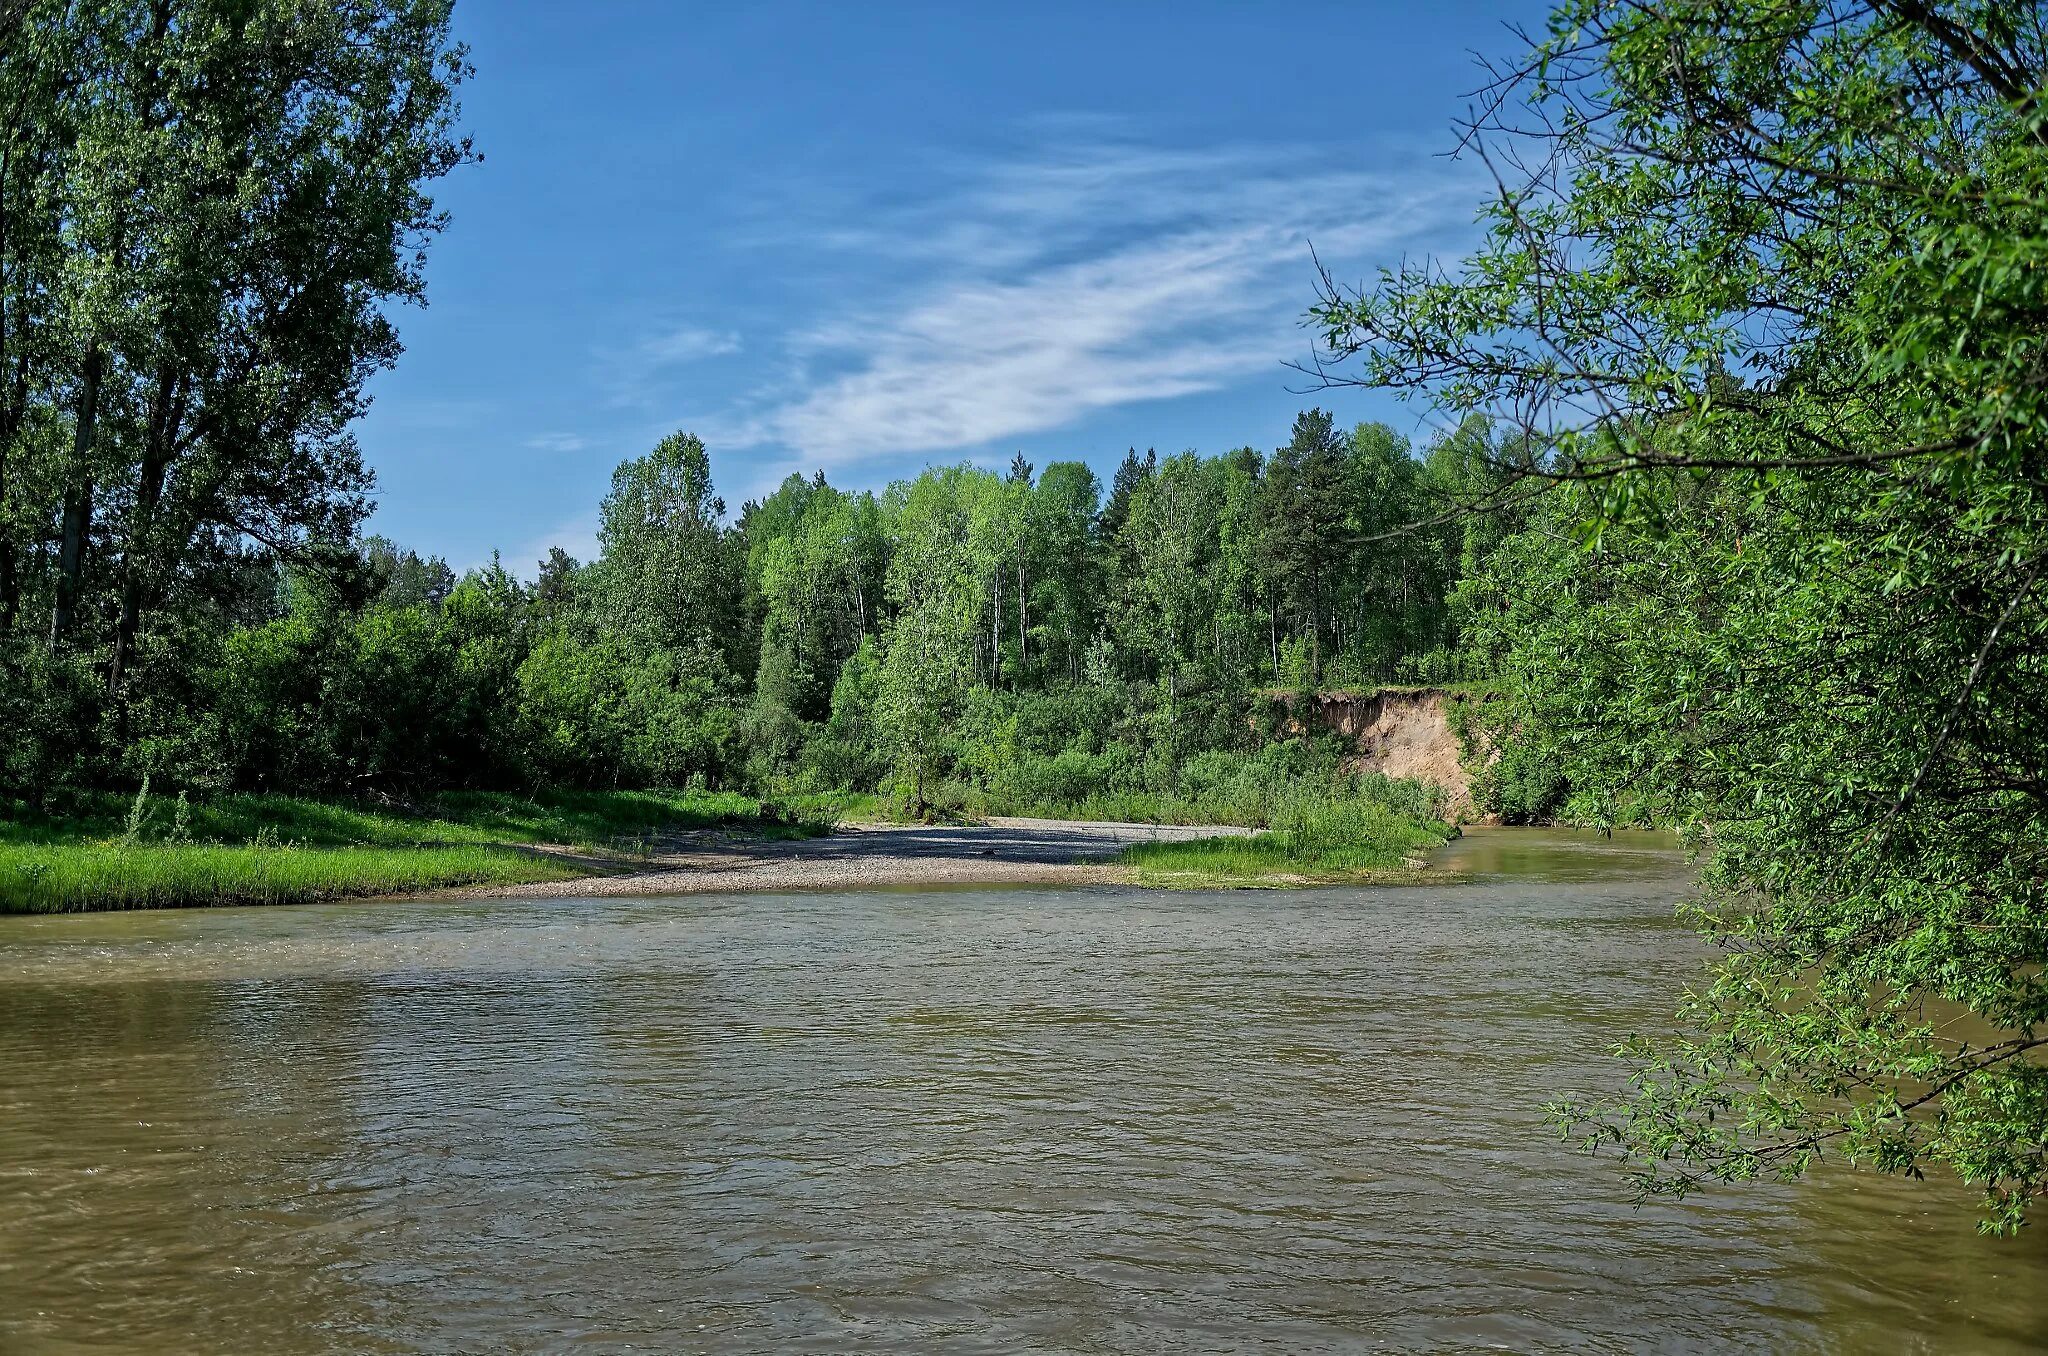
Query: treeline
(1034,638)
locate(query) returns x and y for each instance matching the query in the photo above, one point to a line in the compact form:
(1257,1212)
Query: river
(1096,1120)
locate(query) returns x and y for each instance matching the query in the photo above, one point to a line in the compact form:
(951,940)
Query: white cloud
(1039,291)
(686,344)
(558,442)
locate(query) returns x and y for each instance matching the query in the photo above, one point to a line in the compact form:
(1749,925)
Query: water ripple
(1077,1121)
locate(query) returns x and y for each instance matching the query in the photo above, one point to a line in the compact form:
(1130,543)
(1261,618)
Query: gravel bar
(863,856)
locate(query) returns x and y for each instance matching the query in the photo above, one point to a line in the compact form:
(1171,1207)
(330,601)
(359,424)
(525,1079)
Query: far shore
(254,849)
(999,851)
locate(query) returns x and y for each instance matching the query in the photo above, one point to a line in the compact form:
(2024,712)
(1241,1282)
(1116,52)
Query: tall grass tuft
(116,853)
(1313,838)
(67,878)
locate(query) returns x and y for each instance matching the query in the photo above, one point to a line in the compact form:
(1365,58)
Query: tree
(1307,498)
(1130,474)
(557,589)
(922,679)
(668,575)
(207,211)
(1170,601)
(36,127)
(1770,310)
(403,579)
(938,580)
(1068,590)
(1246,620)
(261,287)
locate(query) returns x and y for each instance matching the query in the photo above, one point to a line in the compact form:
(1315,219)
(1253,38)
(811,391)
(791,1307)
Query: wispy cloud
(685,344)
(558,442)
(1025,296)
(634,373)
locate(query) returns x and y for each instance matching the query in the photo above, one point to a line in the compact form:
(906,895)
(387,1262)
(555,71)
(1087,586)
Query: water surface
(1091,1120)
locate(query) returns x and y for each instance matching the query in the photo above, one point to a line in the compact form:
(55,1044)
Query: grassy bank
(1311,841)
(111,852)
(1258,800)
(76,877)
(591,819)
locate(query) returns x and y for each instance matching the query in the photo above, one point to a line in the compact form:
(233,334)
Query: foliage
(963,628)
(211,205)
(666,580)
(1769,310)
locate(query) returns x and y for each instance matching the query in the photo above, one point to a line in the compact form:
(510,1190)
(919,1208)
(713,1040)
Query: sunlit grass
(573,818)
(1312,840)
(69,877)
(158,852)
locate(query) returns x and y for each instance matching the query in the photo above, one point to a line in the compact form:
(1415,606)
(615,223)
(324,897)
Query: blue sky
(870,238)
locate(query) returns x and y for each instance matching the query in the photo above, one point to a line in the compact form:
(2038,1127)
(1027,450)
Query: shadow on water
(1562,856)
(1104,1120)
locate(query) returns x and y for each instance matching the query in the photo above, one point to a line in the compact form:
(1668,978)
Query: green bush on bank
(1312,838)
(1115,782)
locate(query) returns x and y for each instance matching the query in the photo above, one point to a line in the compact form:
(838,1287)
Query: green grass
(593,819)
(114,852)
(69,877)
(1311,841)
(1248,807)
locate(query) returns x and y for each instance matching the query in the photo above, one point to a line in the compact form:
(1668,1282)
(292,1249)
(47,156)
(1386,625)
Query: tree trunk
(1023,650)
(1315,639)
(77,500)
(133,564)
(10,577)
(164,418)
(10,429)
(10,583)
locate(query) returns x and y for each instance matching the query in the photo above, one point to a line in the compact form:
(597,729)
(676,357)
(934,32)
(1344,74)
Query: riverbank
(1326,844)
(278,850)
(1002,851)
(153,852)
(1315,844)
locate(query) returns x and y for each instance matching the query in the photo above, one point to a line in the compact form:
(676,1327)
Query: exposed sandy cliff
(1402,733)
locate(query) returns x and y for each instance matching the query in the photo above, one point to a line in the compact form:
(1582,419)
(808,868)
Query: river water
(1092,1120)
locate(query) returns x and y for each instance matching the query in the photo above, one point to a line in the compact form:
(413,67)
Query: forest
(1021,639)
(1731,516)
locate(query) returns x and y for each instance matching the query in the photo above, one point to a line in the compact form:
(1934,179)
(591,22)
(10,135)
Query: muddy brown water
(980,1120)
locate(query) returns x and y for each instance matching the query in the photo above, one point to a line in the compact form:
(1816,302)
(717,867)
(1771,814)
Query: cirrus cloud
(1029,295)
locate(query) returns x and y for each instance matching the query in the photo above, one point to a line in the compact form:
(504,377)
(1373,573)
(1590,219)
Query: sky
(870,238)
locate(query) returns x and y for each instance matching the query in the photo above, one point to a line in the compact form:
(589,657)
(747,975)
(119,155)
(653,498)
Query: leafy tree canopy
(1762,291)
